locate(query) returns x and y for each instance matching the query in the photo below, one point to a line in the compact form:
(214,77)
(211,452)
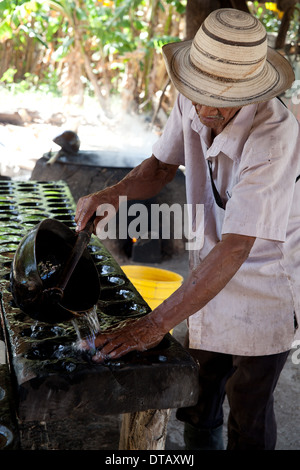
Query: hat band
(234,43)
(249,64)
(222,79)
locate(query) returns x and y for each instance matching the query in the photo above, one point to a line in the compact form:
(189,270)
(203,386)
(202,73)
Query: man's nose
(206,110)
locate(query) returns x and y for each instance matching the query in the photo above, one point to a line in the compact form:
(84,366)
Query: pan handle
(81,243)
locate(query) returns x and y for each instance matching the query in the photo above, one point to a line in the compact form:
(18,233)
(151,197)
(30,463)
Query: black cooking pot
(37,268)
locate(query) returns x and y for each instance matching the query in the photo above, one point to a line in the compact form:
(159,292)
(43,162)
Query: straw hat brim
(276,77)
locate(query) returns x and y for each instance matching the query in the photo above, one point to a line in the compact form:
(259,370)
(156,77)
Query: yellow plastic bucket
(154,284)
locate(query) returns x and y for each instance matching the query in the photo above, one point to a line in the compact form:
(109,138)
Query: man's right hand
(96,202)
(143,182)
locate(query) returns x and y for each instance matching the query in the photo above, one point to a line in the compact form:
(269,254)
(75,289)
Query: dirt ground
(21,146)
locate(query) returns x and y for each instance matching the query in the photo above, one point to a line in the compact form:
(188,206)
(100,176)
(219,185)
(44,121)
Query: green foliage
(294,32)
(105,30)
(8,76)
(180,6)
(271,17)
(117,26)
(31,82)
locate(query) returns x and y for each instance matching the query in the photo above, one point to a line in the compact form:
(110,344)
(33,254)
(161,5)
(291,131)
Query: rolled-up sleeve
(170,146)
(262,196)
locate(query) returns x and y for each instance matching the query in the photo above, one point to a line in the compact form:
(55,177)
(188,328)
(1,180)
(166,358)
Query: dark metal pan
(53,276)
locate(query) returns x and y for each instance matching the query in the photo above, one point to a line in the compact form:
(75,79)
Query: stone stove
(46,378)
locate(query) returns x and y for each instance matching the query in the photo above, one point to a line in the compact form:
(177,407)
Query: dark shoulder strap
(281,101)
(215,191)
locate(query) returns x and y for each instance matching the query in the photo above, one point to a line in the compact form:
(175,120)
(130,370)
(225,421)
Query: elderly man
(240,148)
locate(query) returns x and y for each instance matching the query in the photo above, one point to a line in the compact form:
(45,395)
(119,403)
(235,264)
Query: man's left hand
(131,335)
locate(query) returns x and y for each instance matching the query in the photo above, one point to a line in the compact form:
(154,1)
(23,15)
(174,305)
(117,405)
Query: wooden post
(144,430)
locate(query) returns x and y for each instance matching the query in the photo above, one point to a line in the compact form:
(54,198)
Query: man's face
(215,118)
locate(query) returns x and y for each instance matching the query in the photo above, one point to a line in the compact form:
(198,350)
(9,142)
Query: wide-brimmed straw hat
(228,63)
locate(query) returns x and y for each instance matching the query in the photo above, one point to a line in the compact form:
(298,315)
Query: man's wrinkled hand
(92,203)
(131,335)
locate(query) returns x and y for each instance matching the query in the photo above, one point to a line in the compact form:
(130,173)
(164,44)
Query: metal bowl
(36,267)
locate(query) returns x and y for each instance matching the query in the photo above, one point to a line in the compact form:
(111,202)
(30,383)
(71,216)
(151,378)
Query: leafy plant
(104,33)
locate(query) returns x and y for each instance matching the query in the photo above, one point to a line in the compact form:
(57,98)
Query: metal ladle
(56,293)
(72,288)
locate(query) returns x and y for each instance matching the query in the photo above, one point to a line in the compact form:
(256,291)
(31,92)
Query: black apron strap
(215,191)
(217,196)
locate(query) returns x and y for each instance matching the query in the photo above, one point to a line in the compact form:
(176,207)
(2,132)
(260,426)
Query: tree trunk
(93,79)
(198,10)
(284,27)
(71,84)
(148,61)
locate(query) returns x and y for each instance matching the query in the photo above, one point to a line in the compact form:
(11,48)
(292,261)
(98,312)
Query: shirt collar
(232,139)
